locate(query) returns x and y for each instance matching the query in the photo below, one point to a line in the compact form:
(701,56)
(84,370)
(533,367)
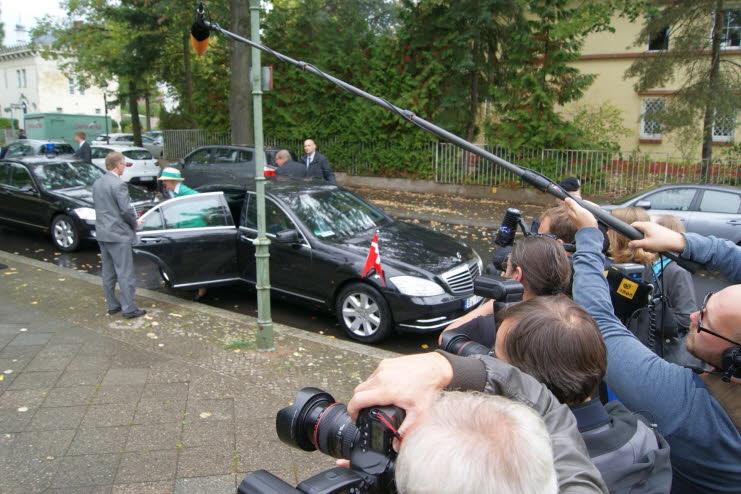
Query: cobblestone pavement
(178,401)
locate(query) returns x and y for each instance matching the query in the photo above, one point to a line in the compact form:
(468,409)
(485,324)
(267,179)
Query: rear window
(59,148)
(136,154)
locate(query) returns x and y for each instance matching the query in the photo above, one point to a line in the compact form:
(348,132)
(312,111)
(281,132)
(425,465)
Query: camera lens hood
(295,424)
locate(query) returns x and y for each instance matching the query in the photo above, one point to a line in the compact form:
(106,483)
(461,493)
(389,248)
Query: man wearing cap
(173,183)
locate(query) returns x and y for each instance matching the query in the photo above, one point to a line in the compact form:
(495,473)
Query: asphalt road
(243,300)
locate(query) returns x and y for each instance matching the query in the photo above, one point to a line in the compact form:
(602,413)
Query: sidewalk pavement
(177,401)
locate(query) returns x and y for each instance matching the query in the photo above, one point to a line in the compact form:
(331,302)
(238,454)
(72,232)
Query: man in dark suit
(83,152)
(316,163)
(115,230)
(288,168)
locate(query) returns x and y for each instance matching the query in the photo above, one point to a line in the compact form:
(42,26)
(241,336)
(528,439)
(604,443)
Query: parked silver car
(704,209)
(154,147)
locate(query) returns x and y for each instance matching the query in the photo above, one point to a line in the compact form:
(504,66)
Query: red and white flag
(373,261)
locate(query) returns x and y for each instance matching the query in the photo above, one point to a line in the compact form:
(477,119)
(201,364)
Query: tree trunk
(713,79)
(240,98)
(188,75)
(148,110)
(136,126)
(474,97)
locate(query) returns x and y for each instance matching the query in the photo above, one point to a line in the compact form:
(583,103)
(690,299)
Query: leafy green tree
(707,83)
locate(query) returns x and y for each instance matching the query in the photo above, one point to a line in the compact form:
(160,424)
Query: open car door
(192,239)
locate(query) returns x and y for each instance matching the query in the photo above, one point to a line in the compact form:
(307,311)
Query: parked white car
(141,167)
(155,147)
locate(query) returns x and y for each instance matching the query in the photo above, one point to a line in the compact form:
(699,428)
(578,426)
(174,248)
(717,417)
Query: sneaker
(114,311)
(136,313)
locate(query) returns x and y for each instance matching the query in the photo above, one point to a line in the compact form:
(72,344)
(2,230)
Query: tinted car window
(153,222)
(335,213)
(246,156)
(225,155)
(100,153)
(21,178)
(715,201)
(146,139)
(194,213)
(65,175)
(19,149)
(275,219)
(672,199)
(136,154)
(59,148)
(4,173)
(199,157)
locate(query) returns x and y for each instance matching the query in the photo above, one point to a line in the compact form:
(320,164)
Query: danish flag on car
(373,261)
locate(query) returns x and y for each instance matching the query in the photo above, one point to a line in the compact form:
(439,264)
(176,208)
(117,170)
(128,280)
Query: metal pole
(105,107)
(262,253)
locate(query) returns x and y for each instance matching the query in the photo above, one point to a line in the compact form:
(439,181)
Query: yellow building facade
(608,56)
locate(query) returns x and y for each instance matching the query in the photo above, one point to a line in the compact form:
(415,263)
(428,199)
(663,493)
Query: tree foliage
(707,84)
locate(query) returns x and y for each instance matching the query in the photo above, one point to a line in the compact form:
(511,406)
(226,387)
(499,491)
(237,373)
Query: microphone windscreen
(199,46)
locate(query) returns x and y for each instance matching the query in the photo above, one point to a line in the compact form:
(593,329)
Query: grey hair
(284,154)
(472,443)
(112,160)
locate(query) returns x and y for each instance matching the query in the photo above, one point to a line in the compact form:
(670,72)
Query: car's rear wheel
(64,233)
(363,313)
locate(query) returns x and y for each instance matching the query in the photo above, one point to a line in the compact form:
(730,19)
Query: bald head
(720,315)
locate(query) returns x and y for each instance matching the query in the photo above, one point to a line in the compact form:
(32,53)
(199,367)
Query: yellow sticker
(627,289)
(493,190)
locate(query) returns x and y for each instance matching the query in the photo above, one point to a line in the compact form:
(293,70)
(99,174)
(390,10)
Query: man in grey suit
(288,168)
(115,230)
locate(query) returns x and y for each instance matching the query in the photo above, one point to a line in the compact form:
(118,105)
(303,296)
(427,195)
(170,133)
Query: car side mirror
(287,237)
(28,188)
(643,204)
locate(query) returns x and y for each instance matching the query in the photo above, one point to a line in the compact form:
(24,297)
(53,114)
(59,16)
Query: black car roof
(40,159)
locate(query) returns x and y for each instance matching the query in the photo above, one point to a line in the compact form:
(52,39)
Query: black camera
(460,344)
(317,421)
(499,288)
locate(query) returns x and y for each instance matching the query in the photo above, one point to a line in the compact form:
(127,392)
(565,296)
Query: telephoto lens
(317,421)
(460,344)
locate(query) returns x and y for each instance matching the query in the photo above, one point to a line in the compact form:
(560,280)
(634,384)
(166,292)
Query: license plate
(471,301)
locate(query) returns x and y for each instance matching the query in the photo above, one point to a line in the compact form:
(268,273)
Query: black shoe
(136,313)
(114,311)
(197,298)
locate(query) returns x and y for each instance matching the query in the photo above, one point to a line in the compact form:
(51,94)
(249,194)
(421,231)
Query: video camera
(317,421)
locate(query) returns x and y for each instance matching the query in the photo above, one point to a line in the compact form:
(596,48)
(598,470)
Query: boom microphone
(199,32)
(506,234)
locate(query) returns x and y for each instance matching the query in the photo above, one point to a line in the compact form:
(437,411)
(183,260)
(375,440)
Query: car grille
(460,280)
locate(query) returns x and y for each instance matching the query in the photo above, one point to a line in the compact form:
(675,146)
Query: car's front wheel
(64,233)
(364,313)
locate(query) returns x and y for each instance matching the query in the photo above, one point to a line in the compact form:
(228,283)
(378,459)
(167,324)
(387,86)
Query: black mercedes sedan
(320,236)
(55,195)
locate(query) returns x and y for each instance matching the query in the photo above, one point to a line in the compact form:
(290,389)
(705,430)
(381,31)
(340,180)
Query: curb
(349,346)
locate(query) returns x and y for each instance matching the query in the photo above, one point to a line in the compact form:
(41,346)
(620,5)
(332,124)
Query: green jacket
(184,190)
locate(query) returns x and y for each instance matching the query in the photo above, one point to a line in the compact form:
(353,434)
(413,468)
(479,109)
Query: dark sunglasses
(699,321)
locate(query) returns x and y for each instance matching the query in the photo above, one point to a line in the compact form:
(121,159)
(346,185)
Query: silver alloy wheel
(64,233)
(361,314)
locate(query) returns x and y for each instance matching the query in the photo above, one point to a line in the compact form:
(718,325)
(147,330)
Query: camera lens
(317,421)
(460,344)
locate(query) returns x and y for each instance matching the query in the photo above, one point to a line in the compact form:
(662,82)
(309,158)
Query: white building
(30,84)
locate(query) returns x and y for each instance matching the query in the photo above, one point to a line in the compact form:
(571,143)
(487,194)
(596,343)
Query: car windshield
(632,196)
(65,175)
(136,154)
(336,213)
(59,148)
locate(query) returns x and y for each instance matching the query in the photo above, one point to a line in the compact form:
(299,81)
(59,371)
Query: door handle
(734,222)
(151,240)
(245,238)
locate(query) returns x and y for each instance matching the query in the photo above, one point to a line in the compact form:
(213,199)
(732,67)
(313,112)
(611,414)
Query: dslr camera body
(317,421)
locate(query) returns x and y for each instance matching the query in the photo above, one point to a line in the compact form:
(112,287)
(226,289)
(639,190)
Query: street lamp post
(262,254)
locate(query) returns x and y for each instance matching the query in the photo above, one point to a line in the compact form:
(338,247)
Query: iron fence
(603,173)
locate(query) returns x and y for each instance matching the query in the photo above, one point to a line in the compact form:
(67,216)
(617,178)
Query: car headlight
(87,214)
(416,287)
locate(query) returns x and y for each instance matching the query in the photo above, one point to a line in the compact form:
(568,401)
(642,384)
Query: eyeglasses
(699,321)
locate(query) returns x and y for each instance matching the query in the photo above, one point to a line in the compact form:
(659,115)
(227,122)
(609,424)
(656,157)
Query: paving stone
(133,359)
(157,412)
(28,339)
(147,467)
(30,398)
(12,420)
(36,380)
(86,470)
(266,455)
(153,437)
(101,346)
(87,377)
(206,460)
(206,485)
(94,440)
(69,397)
(26,475)
(209,410)
(174,371)
(41,363)
(125,376)
(81,490)
(109,415)
(89,362)
(125,393)
(57,418)
(20,352)
(52,350)
(42,443)
(166,487)
(208,433)
(17,365)
(260,405)
(165,392)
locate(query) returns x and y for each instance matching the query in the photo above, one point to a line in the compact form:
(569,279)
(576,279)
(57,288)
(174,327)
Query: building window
(724,125)
(97,111)
(659,41)
(650,126)
(731,33)
(59,109)
(23,73)
(18,73)
(81,91)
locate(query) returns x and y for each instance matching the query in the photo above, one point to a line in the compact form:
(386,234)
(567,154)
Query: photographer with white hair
(472,443)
